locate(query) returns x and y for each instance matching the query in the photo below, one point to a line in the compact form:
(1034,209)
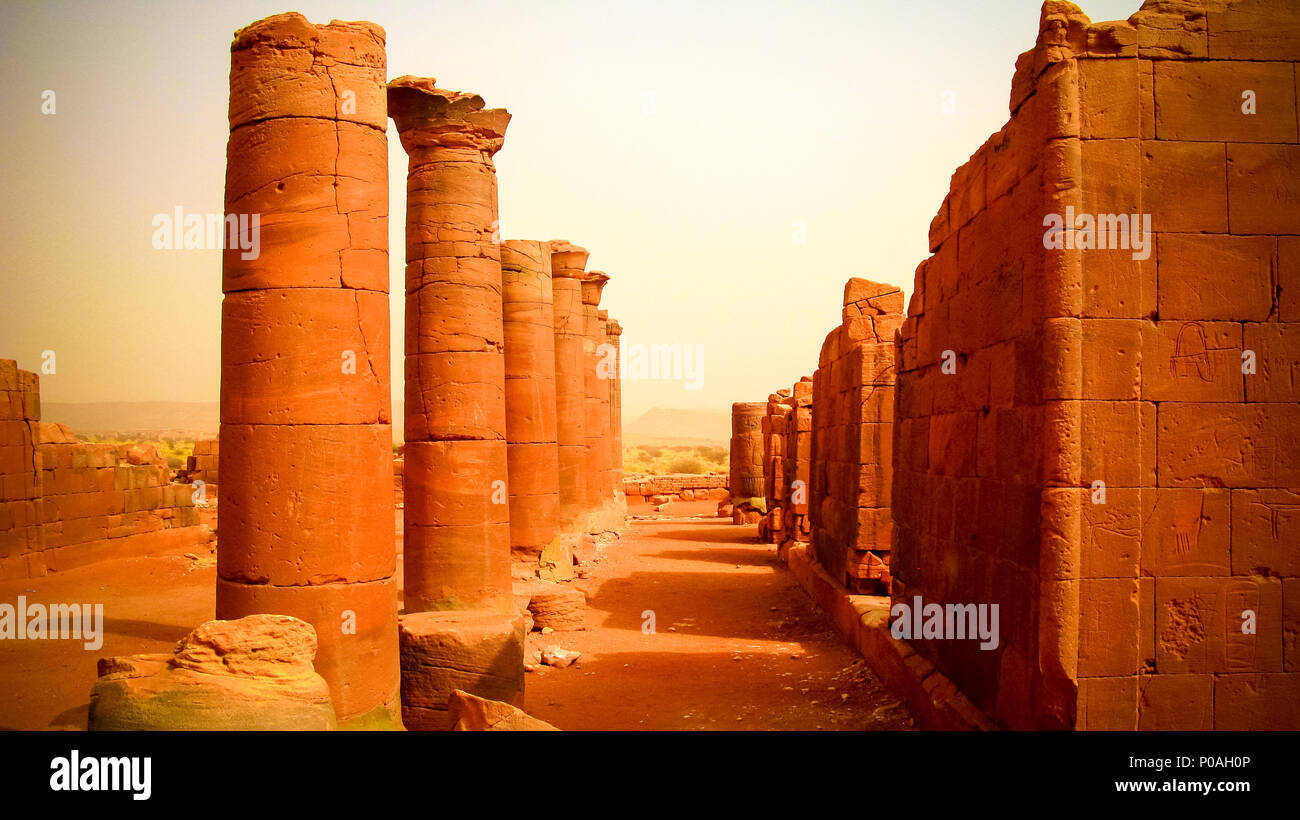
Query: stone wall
(202,465)
(852,439)
(796,463)
(66,503)
(1095,438)
(679,486)
(775,420)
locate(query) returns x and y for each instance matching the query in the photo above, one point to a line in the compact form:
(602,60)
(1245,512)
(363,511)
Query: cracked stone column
(459,630)
(606,372)
(306,436)
(595,396)
(532,453)
(616,413)
(568,264)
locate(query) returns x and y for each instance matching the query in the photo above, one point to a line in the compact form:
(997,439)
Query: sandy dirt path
(736,644)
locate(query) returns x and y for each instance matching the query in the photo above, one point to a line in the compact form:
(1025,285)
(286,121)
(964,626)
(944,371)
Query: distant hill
(149,419)
(200,420)
(676,424)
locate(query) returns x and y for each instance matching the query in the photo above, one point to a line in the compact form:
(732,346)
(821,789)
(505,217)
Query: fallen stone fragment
(556,561)
(474,714)
(559,658)
(557,606)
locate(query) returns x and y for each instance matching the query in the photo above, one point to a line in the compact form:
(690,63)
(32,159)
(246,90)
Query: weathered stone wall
(1097,458)
(852,439)
(66,503)
(202,465)
(797,460)
(21,534)
(775,422)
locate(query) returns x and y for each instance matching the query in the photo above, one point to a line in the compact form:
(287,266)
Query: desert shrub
(685,464)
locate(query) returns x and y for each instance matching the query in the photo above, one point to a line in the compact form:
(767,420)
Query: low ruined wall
(202,465)
(1095,429)
(67,503)
(680,486)
(852,439)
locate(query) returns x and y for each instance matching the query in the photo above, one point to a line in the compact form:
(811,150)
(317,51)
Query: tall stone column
(532,453)
(606,372)
(595,394)
(306,437)
(458,631)
(616,411)
(746,480)
(568,264)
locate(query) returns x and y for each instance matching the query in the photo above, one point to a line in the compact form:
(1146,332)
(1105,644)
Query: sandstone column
(746,482)
(568,263)
(458,631)
(616,413)
(595,395)
(306,459)
(532,453)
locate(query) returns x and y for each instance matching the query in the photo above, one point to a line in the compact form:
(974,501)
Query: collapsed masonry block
(253,673)
(478,652)
(558,606)
(474,714)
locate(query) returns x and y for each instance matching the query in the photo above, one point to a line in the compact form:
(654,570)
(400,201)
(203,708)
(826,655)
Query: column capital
(568,261)
(429,117)
(592,285)
(615,329)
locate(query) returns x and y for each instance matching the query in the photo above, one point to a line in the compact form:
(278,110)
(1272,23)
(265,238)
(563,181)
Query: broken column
(459,630)
(306,439)
(532,453)
(746,467)
(568,264)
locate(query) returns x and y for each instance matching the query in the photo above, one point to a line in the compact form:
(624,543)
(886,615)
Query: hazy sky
(680,142)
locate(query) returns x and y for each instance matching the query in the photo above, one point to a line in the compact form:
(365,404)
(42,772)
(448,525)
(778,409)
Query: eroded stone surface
(305,464)
(253,673)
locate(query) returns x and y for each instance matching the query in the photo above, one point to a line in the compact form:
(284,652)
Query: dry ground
(736,644)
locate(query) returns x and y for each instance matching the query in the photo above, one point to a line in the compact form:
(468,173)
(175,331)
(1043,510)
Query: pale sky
(679,141)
